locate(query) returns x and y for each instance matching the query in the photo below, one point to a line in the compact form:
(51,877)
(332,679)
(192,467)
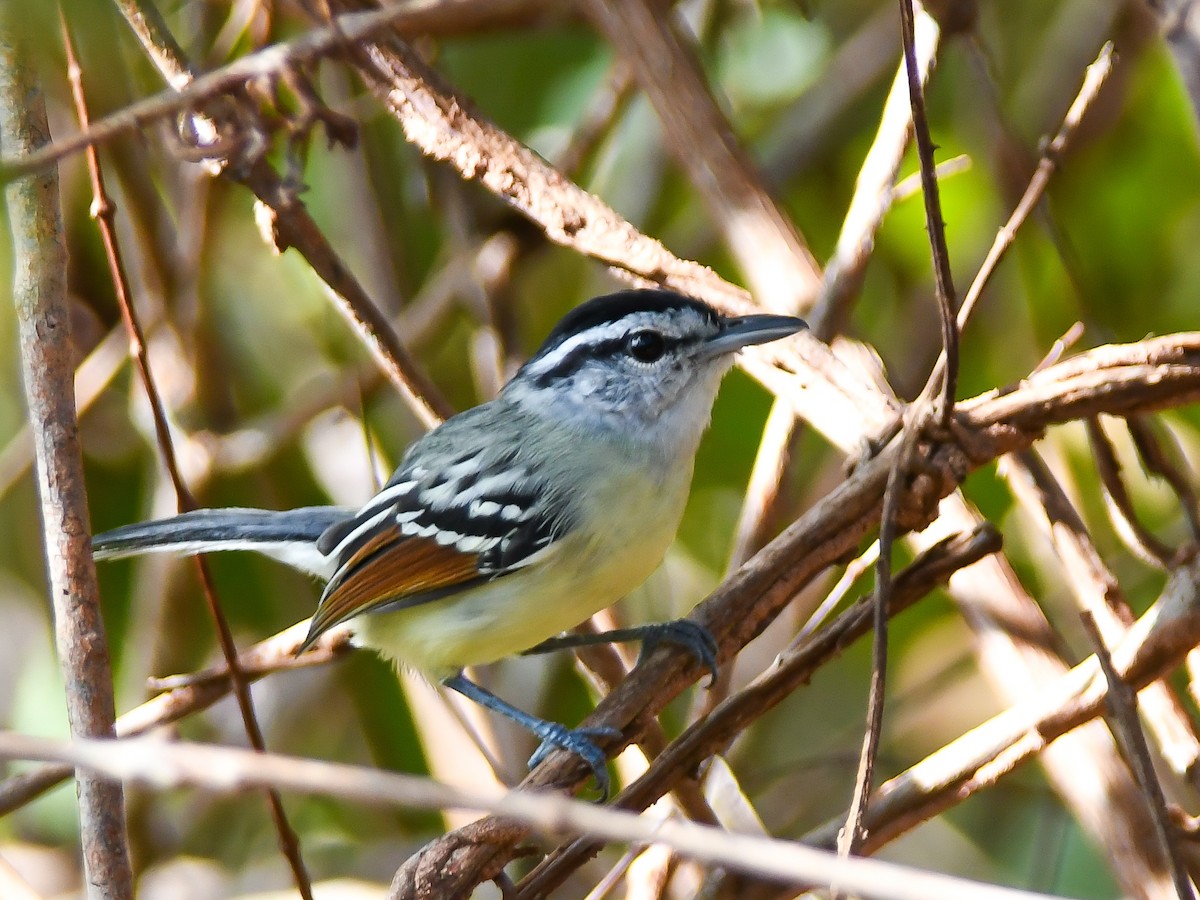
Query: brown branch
(1122,705)
(283,219)
(104,212)
(604,668)
(1169,466)
(160,765)
(1136,536)
(934,223)
(1097,592)
(893,495)
(793,668)
(43,327)
(1147,375)
(1158,642)
(916,421)
(191,90)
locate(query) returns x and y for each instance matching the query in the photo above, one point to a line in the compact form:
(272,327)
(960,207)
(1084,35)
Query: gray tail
(289,536)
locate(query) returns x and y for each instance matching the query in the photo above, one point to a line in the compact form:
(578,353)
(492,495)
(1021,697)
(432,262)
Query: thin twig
(190,90)
(1052,153)
(1136,536)
(875,191)
(283,219)
(854,571)
(1169,466)
(915,425)
(104,212)
(942,277)
(43,327)
(1061,345)
(1122,706)
(852,835)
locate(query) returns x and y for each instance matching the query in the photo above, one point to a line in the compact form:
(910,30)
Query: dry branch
(1097,592)
(1156,643)
(160,765)
(43,321)
(1123,713)
(793,668)
(104,211)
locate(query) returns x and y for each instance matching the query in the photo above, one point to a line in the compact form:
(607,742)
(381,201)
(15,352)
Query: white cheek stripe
(592,335)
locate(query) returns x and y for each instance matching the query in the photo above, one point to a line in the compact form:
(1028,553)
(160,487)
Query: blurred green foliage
(242,340)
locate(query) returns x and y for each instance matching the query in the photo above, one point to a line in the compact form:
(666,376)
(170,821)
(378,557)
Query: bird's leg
(694,638)
(580,741)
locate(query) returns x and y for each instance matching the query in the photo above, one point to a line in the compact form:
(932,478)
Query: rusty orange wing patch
(390,567)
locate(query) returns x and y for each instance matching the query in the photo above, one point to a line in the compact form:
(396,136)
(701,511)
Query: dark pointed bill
(743,331)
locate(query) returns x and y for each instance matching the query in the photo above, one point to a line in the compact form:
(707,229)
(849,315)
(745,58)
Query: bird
(514,521)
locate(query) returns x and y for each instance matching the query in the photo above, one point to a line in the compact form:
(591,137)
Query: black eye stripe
(610,347)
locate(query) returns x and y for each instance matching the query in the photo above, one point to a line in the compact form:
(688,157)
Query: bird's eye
(648,346)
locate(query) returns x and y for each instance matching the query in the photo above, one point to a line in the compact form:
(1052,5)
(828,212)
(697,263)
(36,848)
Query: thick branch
(160,765)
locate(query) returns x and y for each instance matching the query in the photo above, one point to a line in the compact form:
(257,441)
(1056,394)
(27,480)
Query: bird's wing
(429,535)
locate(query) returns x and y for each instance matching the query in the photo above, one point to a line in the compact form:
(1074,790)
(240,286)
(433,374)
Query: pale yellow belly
(587,572)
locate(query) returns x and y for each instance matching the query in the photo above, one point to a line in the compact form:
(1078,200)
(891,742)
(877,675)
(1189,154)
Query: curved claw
(695,638)
(581,742)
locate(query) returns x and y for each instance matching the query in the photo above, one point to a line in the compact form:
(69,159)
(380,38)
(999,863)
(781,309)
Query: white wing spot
(484,508)
(475,544)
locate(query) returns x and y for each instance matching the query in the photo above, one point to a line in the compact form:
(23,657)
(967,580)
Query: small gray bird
(516,520)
